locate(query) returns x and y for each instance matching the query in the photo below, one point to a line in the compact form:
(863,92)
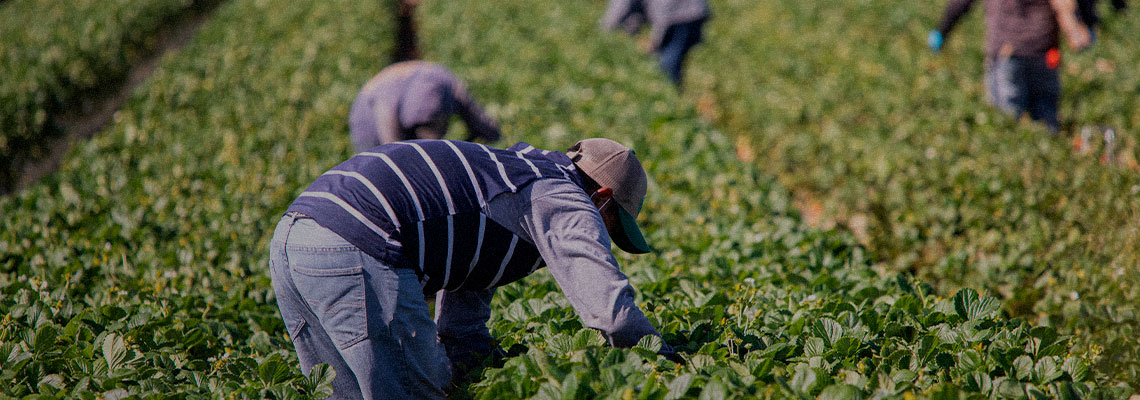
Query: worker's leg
(312,342)
(674,46)
(1007,85)
(1044,93)
(367,311)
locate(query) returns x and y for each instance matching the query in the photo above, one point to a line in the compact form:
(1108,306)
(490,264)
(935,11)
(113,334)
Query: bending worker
(414,100)
(354,255)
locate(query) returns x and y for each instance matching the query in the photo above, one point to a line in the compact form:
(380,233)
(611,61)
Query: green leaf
(970,306)
(714,390)
(841,391)
(587,337)
(828,330)
(679,386)
(320,379)
(847,346)
(1046,371)
(1077,369)
(45,338)
(114,352)
(814,347)
(1022,367)
(274,370)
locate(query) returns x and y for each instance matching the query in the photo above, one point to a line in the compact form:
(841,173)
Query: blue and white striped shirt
(419,204)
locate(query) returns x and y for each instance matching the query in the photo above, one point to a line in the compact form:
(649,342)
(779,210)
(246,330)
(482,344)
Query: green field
(139,269)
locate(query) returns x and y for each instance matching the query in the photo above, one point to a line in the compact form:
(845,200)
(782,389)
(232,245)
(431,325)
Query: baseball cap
(613,165)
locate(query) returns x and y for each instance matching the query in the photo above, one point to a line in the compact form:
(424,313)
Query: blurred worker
(354,255)
(674,27)
(1022,52)
(414,100)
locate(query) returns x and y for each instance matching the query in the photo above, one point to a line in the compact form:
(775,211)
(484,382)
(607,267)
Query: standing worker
(674,27)
(354,255)
(414,100)
(1022,52)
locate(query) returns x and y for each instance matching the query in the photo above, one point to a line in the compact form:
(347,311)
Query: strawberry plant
(55,55)
(874,133)
(758,303)
(140,268)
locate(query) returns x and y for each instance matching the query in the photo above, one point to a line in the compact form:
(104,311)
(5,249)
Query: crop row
(844,102)
(56,55)
(759,304)
(140,267)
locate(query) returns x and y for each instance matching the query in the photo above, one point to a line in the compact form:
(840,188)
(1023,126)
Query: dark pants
(676,44)
(1018,85)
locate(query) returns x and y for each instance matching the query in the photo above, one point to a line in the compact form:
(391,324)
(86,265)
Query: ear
(602,195)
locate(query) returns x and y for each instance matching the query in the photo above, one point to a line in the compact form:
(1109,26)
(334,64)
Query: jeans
(675,46)
(1017,85)
(367,320)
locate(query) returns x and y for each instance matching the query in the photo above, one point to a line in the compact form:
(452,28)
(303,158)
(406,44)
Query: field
(836,212)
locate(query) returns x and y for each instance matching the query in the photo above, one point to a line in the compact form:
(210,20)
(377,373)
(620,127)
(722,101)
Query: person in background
(674,27)
(356,252)
(414,100)
(1022,52)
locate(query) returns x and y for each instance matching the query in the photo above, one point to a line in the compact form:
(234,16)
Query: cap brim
(630,238)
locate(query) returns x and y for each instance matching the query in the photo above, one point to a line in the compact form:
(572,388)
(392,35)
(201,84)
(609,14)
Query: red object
(1053,58)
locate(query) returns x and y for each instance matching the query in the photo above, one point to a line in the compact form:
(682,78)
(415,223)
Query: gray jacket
(630,15)
(410,95)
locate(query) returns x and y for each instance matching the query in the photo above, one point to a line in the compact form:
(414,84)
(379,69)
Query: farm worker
(356,252)
(674,27)
(1022,52)
(414,100)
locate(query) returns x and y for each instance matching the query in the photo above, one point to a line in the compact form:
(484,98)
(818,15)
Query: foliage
(874,133)
(140,268)
(57,53)
(758,303)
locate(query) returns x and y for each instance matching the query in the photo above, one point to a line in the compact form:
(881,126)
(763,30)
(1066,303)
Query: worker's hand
(672,356)
(934,40)
(1079,39)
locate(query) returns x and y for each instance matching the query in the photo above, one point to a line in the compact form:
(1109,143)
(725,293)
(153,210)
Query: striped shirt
(419,204)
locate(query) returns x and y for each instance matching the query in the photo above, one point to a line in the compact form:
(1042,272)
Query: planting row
(758,303)
(140,268)
(56,56)
(873,132)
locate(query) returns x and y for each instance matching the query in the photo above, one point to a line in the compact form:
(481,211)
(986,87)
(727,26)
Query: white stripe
(438,175)
(502,169)
(399,173)
(563,171)
(375,192)
(420,228)
(506,260)
(450,249)
(527,149)
(470,173)
(347,207)
(523,157)
(478,248)
(536,264)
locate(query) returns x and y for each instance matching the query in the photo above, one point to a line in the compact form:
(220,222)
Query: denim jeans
(1017,85)
(367,320)
(675,45)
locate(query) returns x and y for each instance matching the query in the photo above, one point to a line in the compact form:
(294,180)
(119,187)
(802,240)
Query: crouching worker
(355,253)
(414,100)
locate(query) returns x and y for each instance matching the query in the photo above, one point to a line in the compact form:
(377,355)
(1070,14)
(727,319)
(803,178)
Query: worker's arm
(479,124)
(569,233)
(955,9)
(1076,32)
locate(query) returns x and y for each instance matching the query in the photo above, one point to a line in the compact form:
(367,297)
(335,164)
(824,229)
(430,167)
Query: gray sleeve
(479,124)
(627,15)
(570,235)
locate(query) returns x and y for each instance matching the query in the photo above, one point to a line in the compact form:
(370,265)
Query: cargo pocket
(336,296)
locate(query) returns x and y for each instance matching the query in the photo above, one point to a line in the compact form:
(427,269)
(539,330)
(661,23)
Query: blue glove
(1092,36)
(934,40)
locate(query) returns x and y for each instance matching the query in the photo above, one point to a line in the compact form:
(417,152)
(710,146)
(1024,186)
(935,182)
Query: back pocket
(335,293)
